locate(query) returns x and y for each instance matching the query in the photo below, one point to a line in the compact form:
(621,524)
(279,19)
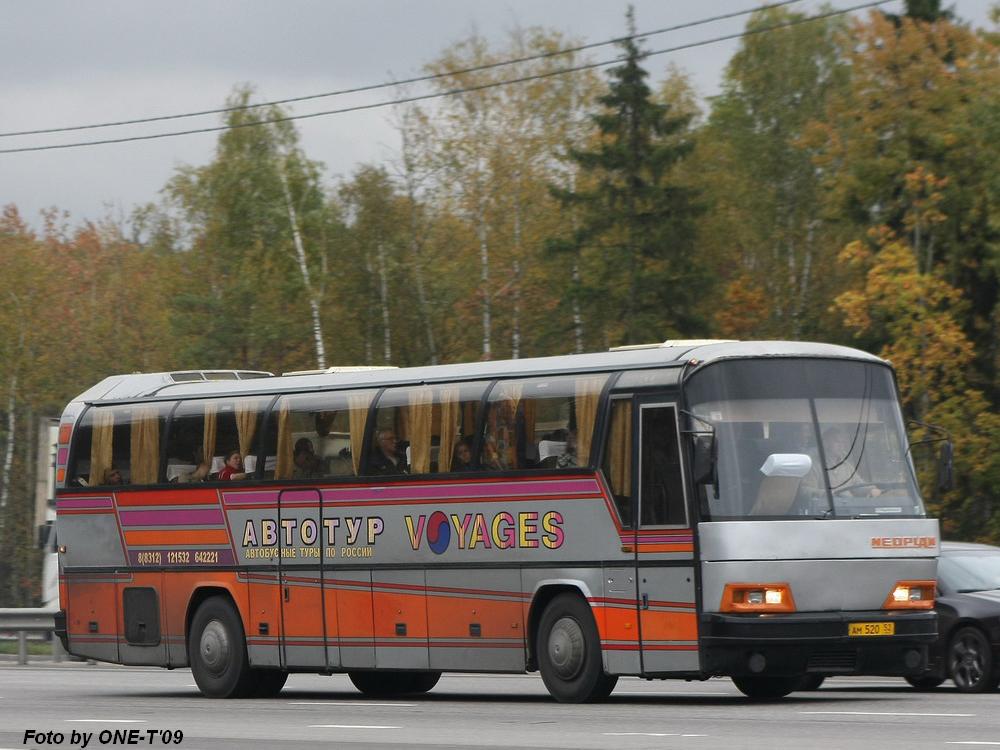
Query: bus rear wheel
(267,683)
(381,684)
(763,688)
(568,650)
(217,651)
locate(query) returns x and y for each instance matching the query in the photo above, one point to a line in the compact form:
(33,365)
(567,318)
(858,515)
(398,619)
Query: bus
(682,510)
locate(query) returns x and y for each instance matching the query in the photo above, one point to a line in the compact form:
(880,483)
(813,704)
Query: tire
(217,651)
(970,661)
(267,683)
(763,688)
(924,682)
(384,684)
(568,650)
(811,682)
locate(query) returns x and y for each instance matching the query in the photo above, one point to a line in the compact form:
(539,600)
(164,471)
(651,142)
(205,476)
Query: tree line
(843,187)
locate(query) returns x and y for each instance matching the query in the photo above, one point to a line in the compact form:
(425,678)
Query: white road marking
(345,703)
(879,713)
(650,734)
(972,742)
(350,726)
(191,685)
(108,721)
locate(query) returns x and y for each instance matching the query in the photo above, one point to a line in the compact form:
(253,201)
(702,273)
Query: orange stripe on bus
(168,497)
(614,624)
(669,626)
(683,547)
(180,536)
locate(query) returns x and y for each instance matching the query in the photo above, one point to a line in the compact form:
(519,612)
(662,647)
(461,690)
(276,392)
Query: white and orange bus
(683,510)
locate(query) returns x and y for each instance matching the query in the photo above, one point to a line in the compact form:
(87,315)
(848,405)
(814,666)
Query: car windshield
(962,572)
(803,438)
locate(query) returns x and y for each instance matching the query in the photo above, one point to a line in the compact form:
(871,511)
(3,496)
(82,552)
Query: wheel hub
(566,648)
(214,647)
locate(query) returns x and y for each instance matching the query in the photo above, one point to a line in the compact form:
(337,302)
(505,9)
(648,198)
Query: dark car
(968,607)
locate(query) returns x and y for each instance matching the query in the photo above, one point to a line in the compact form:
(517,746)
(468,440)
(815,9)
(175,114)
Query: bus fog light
(911,595)
(757,597)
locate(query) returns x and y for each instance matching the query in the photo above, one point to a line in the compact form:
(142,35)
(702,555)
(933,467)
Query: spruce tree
(632,215)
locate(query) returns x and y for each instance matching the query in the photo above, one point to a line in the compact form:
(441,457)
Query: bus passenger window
(617,462)
(206,434)
(317,435)
(541,423)
(661,498)
(119,445)
(425,429)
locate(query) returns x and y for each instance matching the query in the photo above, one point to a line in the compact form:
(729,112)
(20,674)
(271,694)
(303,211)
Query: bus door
(664,547)
(300,543)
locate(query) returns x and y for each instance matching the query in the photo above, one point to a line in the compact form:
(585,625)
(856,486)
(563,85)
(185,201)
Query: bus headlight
(911,595)
(757,597)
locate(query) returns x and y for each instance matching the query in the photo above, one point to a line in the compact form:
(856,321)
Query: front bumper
(815,642)
(60,629)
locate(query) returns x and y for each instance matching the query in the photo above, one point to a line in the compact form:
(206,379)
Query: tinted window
(617,462)
(116,445)
(204,433)
(542,423)
(426,429)
(317,435)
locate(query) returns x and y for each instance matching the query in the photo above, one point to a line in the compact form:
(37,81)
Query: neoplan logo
(904,542)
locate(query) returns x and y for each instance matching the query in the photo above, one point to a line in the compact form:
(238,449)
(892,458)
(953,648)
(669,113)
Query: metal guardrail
(30,620)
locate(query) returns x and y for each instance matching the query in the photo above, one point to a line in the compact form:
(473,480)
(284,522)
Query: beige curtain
(588,392)
(247,410)
(506,423)
(420,418)
(450,407)
(208,434)
(620,447)
(285,460)
(144,434)
(101,445)
(358,404)
(469,418)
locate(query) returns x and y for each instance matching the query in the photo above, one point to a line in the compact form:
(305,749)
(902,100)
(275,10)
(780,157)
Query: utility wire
(451,92)
(406,81)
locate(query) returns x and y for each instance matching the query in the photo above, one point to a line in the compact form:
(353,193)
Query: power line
(451,92)
(406,81)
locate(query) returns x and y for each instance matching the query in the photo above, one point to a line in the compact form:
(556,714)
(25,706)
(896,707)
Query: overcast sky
(66,62)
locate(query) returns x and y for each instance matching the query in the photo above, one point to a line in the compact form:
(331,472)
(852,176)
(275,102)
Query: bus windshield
(803,438)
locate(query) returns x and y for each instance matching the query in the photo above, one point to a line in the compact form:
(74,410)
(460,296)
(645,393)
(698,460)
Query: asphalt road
(483,711)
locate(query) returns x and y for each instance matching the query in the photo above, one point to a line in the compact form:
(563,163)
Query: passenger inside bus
(462,457)
(386,457)
(307,464)
(233,469)
(113,476)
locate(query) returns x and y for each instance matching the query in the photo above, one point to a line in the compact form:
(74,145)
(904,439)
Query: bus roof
(190,384)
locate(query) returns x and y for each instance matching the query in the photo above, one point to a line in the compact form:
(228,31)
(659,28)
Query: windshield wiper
(976,591)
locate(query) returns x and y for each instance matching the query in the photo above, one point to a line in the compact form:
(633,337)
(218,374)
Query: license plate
(870,628)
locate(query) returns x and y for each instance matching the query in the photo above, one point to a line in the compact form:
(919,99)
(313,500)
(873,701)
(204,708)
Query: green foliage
(633,216)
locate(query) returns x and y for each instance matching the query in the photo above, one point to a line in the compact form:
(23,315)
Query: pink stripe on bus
(85,502)
(170,517)
(465,490)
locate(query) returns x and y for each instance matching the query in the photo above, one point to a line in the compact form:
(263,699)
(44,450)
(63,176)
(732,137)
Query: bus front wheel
(217,651)
(568,650)
(767,688)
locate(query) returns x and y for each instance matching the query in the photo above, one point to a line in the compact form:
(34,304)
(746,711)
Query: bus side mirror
(703,459)
(946,467)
